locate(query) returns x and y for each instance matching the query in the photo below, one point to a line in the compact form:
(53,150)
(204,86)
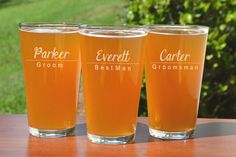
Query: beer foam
(50,30)
(113,33)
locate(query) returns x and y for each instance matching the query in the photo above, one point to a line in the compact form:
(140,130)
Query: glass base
(171,135)
(51,133)
(111,140)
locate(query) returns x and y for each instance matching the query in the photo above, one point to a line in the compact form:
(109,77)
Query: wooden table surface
(214,138)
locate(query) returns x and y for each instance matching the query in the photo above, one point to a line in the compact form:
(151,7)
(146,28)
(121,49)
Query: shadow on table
(214,129)
(211,129)
(142,134)
(142,131)
(81,130)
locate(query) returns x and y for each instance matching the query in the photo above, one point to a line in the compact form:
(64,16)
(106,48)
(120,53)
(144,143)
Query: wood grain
(214,138)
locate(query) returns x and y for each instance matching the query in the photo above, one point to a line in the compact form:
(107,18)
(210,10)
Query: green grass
(12,94)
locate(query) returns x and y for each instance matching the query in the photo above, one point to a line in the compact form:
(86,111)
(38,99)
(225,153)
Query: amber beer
(112,59)
(51,59)
(174,67)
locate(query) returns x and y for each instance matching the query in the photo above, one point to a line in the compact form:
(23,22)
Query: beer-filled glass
(112,58)
(51,59)
(174,68)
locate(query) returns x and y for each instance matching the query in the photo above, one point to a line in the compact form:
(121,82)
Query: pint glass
(112,58)
(51,60)
(174,67)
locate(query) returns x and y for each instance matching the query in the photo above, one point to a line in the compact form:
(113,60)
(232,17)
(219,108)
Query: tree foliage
(218,95)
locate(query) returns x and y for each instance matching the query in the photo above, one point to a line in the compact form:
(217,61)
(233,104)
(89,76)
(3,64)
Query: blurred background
(218,95)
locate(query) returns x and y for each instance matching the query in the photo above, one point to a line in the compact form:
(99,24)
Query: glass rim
(125,31)
(111,27)
(46,24)
(61,28)
(164,27)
